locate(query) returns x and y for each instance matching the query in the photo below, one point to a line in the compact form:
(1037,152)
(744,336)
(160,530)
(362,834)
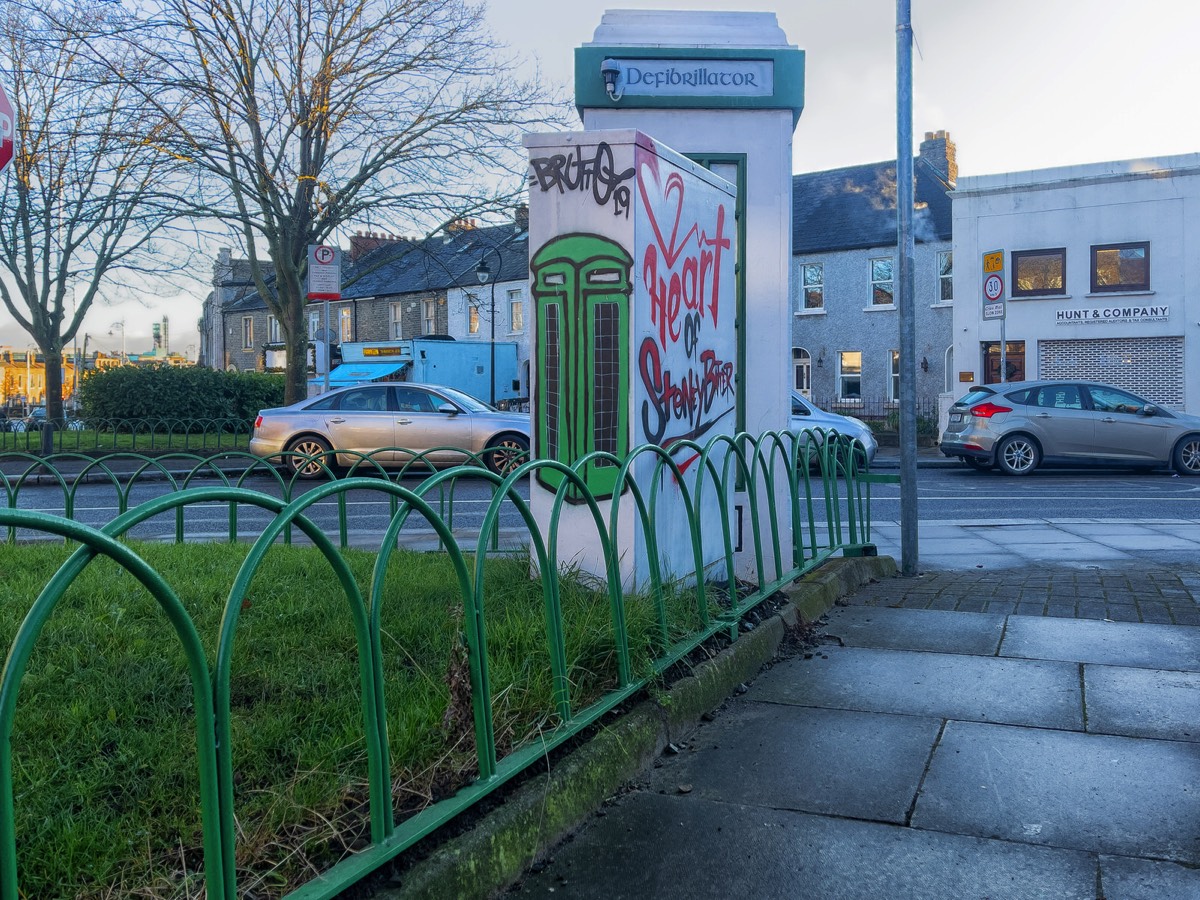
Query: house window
(346,324)
(396,321)
(945,269)
(516,314)
(430,318)
(1121,267)
(314,325)
(850,375)
(881,283)
(802,371)
(273,330)
(473,319)
(1036,273)
(893,376)
(812,277)
(247,333)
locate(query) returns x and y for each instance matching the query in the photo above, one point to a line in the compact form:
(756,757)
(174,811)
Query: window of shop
(812,277)
(1121,267)
(1039,273)
(1014,361)
(850,375)
(881,283)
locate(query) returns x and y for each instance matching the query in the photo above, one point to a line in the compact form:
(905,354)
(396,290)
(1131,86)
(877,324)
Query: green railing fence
(151,435)
(829,512)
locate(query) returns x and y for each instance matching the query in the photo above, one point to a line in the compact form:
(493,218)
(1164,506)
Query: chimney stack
(938,150)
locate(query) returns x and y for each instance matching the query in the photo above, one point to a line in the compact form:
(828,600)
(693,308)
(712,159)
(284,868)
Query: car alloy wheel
(308,457)
(506,453)
(1187,455)
(1017,455)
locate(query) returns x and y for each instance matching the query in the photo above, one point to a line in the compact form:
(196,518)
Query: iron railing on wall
(827,498)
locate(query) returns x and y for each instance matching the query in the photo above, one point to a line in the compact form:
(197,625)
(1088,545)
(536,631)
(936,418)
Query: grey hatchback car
(1018,426)
(391,422)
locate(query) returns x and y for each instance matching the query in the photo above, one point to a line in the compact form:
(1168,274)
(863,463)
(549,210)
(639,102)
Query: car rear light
(258,422)
(987,410)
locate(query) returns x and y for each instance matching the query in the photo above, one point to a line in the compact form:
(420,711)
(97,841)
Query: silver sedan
(393,423)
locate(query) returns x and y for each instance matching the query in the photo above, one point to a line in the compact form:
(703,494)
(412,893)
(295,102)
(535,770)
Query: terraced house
(845,334)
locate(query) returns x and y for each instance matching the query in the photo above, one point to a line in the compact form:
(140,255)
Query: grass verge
(105,781)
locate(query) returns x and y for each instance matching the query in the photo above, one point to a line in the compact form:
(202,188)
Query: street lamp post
(484,273)
(121,325)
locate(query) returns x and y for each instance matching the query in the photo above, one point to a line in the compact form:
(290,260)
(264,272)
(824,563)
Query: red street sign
(8,129)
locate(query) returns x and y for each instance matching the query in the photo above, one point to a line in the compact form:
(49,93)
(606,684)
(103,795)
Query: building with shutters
(1101,277)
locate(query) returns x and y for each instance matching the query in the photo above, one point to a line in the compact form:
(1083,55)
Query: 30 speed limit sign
(993,288)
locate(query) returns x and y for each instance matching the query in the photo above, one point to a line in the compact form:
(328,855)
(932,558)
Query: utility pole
(905,249)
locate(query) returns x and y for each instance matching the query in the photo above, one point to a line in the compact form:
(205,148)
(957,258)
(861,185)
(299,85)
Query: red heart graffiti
(674,186)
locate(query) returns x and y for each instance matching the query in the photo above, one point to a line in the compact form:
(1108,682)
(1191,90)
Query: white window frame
(876,283)
(429,316)
(516,313)
(843,376)
(945,277)
(247,332)
(345,324)
(893,376)
(273,330)
(314,324)
(473,317)
(818,286)
(396,320)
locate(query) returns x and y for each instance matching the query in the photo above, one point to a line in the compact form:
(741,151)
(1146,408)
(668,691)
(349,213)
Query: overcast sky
(1023,84)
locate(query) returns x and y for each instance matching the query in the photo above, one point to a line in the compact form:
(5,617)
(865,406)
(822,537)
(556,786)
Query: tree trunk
(52,360)
(295,336)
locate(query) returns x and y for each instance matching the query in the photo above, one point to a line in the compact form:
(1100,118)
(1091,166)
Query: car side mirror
(1149,410)
(449,409)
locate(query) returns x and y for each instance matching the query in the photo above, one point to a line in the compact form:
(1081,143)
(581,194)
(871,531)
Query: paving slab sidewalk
(926,751)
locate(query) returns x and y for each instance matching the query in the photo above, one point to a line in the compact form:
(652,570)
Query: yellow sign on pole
(994,261)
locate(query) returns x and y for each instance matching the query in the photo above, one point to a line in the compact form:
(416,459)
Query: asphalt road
(944,494)
(959,493)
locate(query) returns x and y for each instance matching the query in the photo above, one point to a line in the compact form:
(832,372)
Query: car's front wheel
(506,452)
(1018,455)
(308,456)
(1187,455)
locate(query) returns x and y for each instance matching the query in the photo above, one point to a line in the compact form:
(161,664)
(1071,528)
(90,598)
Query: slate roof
(855,207)
(439,262)
(426,265)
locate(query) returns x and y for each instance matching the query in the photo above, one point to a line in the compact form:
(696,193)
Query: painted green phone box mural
(632,276)
(581,291)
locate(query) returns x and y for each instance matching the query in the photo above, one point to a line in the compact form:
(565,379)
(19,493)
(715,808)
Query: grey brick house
(845,333)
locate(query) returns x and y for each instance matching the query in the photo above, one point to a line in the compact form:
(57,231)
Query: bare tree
(303,116)
(79,204)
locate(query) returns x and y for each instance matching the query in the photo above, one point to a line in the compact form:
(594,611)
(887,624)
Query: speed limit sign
(993,288)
